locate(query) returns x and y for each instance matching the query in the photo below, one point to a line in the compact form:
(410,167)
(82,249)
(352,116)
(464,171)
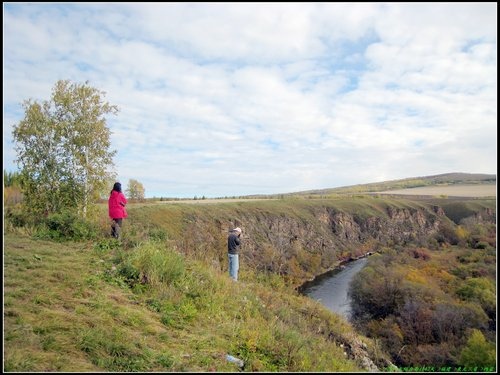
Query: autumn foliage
(430,307)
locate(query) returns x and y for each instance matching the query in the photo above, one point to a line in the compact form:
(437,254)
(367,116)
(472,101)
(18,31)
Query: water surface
(332,290)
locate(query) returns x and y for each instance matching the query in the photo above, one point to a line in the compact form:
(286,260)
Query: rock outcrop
(310,239)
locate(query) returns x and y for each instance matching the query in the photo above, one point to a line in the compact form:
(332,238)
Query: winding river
(331,288)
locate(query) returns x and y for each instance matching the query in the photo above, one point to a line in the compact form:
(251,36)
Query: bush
(482,245)
(129,272)
(421,253)
(478,352)
(17,217)
(156,265)
(66,225)
(106,245)
(158,234)
(447,234)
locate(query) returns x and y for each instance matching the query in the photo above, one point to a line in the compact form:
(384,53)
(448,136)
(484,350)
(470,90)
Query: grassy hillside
(412,182)
(83,307)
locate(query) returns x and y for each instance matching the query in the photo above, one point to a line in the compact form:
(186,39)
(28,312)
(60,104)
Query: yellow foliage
(445,276)
(295,268)
(461,232)
(250,338)
(430,269)
(416,276)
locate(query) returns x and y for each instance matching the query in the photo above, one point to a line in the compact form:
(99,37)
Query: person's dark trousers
(115,228)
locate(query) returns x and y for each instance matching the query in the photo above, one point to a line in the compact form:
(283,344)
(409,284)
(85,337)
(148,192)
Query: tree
(478,352)
(11,188)
(135,190)
(11,178)
(63,150)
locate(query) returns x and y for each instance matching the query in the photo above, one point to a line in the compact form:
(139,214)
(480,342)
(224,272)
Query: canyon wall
(301,239)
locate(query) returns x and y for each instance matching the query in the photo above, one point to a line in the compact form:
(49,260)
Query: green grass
(83,307)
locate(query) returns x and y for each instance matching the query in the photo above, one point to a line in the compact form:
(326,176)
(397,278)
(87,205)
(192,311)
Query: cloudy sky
(223,99)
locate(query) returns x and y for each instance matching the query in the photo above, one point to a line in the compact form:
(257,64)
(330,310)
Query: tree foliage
(63,148)
(478,352)
(135,190)
(422,309)
(11,178)
(11,188)
(378,293)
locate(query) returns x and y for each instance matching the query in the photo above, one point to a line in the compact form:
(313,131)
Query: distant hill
(412,182)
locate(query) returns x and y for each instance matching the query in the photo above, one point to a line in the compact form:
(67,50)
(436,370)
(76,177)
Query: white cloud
(244,98)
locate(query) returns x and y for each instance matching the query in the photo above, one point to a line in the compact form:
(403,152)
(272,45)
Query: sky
(232,99)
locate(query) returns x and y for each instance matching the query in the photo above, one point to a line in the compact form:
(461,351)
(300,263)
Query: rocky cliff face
(399,226)
(333,235)
(311,239)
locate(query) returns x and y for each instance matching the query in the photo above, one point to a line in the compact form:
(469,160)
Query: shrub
(156,265)
(481,245)
(106,244)
(66,225)
(158,234)
(129,273)
(478,352)
(421,253)
(447,234)
(17,217)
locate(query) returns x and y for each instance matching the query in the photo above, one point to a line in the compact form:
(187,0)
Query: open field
(465,190)
(475,191)
(221,200)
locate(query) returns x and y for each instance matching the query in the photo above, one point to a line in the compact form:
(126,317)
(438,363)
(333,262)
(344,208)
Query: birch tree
(63,148)
(135,190)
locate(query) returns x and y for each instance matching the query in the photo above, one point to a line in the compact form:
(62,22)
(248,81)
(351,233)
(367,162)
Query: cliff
(301,239)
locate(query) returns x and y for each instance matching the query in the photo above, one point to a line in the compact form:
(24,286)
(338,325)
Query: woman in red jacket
(116,209)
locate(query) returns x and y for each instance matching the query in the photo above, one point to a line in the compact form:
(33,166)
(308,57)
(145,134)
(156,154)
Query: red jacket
(116,205)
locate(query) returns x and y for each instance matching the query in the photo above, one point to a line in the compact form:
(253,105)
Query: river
(331,288)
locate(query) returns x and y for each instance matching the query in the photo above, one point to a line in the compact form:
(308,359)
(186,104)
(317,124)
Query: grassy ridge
(72,307)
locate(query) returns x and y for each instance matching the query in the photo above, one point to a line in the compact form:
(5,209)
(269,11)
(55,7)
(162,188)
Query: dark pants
(116,228)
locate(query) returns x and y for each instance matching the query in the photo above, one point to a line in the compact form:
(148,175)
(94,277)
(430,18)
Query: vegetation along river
(331,288)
